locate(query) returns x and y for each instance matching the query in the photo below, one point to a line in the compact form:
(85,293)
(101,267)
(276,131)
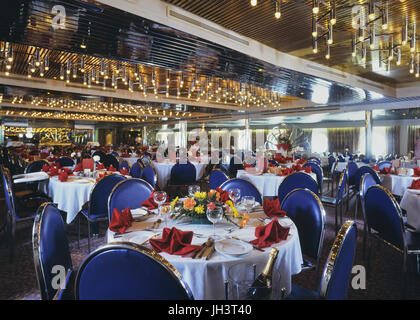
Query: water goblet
(248,202)
(160,198)
(193,189)
(215,216)
(234,194)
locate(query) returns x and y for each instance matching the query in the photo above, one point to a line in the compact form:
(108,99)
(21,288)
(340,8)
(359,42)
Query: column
(183,134)
(145,143)
(368,133)
(248,138)
(403,138)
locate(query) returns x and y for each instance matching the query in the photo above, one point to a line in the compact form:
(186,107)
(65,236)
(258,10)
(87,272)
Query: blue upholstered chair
(149,174)
(101,154)
(65,161)
(297,180)
(341,159)
(385,223)
(315,159)
(306,211)
(51,248)
(183,174)
(125,164)
(337,271)
(96,209)
(136,170)
(217,177)
(35,166)
(357,179)
(126,271)
(273,162)
(316,168)
(247,188)
(129,193)
(384,164)
(351,170)
(235,165)
(109,159)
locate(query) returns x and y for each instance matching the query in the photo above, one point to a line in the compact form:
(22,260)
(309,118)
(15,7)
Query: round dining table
(267,183)
(130,160)
(410,202)
(397,184)
(163,171)
(206,278)
(69,195)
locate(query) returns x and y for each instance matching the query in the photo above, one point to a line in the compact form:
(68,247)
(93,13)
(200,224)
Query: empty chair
(351,170)
(125,164)
(385,222)
(305,209)
(96,209)
(357,179)
(341,159)
(129,193)
(316,168)
(337,270)
(294,181)
(183,174)
(65,161)
(247,188)
(217,177)
(315,159)
(35,166)
(126,271)
(109,160)
(136,170)
(149,174)
(384,164)
(51,249)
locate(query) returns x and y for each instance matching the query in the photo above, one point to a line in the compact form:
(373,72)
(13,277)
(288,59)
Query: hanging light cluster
(372,33)
(6,55)
(277,7)
(152,82)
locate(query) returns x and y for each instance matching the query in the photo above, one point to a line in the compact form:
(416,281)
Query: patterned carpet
(19,281)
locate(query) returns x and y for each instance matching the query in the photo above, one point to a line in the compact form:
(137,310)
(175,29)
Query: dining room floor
(18,279)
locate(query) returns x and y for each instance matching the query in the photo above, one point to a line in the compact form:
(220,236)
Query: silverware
(253,245)
(208,250)
(118,234)
(211,254)
(157,224)
(154,236)
(196,253)
(207,244)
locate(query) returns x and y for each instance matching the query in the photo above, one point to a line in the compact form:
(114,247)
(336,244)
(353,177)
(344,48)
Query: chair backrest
(217,177)
(316,168)
(351,172)
(337,271)
(235,165)
(136,170)
(129,193)
(384,164)
(297,180)
(315,159)
(183,173)
(98,199)
(126,271)
(305,209)
(331,161)
(109,159)
(9,198)
(65,161)
(361,171)
(125,164)
(50,248)
(366,182)
(341,159)
(247,188)
(149,174)
(341,187)
(35,166)
(273,162)
(101,155)
(383,214)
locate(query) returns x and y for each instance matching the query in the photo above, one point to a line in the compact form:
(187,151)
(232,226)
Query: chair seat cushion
(93,216)
(328,200)
(300,293)
(307,265)
(413,240)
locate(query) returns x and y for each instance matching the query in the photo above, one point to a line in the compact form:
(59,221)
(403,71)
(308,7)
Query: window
(319,142)
(379,141)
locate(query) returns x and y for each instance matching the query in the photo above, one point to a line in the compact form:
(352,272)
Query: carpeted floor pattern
(384,281)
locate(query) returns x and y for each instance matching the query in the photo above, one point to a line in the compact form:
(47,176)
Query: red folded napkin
(175,241)
(272,208)
(247,165)
(111,168)
(301,161)
(308,169)
(124,171)
(297,167)
(375,168)
(100,166)
(224,195)
(416,172)
(53,171)
(63,176)
(386,170)
(57,164)
(150,203)
(78,167)
(270,234)
(287,171)
(121,221)
(415,184)
(45,168)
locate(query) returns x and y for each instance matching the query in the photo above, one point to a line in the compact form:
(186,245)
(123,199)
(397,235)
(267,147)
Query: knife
(206,245)
(195,253)
(208,250)
(211,254)
(253,245)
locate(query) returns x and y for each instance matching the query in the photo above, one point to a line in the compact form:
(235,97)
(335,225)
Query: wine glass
(160,198)
(234,194)
(248,202)
(215,216)
(193,189)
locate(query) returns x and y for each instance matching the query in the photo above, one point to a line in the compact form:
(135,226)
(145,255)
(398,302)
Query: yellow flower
(200,195)
(189,203)
(235,212)
(174,203)
(199,209)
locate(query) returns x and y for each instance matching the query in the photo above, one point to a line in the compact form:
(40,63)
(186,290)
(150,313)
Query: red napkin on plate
(416,172)
(375,168)
(272,165)
(308,169)
(45,168)
(247,165)
(111,168)
(301,161)
(57,164)
(121,221)
(272,208)
(175,241)
(224,195)
(100,166)
(53,171)
(63,176)
(150,203)
(386,170)
(78,167)
(415,184)
(124,171)
(270,234)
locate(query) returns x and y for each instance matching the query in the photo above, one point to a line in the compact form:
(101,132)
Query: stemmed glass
(193,189)
(160,198)
(248,202)
(215,216)
(234,194)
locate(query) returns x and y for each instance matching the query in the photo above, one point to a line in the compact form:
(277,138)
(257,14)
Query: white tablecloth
(396,184)
(70,195)
(30,177)
(410,202)
(206,278)
(267,183)
(342,165)
(130,160)
(163,172)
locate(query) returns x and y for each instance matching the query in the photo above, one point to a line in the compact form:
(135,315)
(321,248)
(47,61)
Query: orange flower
(244,221)
(189,203)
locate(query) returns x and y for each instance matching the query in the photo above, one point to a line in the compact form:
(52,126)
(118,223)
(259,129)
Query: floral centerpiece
(196,207)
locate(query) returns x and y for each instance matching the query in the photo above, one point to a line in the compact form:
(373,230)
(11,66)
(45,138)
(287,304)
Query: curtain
(393,140)
(307,139)
(341,138)
(413,135)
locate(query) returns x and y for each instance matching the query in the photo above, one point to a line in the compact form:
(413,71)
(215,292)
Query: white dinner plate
(140,237)
(139,214)
(233,247)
